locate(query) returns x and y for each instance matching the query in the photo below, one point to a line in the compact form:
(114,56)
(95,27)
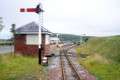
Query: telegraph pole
(58,38)
(81,38)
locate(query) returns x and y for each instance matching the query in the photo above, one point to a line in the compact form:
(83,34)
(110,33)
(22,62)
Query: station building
(54,40)
(26,40)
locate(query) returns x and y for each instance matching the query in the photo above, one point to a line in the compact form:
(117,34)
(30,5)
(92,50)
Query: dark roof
(32,27)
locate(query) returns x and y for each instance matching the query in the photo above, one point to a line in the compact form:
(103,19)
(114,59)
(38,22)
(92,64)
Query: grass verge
(17,67)
(5,41)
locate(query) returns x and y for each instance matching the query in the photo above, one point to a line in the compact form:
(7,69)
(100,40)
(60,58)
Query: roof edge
(33,33)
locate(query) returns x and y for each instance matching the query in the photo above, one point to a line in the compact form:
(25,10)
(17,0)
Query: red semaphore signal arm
(28,10)
(37,9)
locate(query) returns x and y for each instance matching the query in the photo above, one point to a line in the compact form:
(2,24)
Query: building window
(47,39)
(32,39)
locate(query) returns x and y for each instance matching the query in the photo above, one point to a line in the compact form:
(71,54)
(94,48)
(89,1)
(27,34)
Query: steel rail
(62,66)
(73,67)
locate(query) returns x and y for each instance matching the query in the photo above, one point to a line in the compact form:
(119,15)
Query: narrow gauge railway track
(67,63)
(68,46)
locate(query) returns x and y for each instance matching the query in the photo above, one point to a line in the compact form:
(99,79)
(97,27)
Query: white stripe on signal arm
(25,9)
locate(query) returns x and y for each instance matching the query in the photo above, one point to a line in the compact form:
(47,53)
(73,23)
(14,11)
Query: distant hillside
(6,39)
(70,37)
(2,39)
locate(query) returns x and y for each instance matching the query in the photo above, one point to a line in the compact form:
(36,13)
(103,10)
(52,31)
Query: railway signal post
(38,10)
(81,38)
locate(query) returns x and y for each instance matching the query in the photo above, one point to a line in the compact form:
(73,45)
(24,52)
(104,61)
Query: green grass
(5,46)
(17,67)
(5,41)
(103,57)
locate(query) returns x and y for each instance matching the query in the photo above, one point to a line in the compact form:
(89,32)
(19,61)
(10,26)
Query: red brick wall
(45,46)
(29,50)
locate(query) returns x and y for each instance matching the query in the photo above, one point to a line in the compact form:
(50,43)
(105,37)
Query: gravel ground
(68,70)
(83,72)
(55,69)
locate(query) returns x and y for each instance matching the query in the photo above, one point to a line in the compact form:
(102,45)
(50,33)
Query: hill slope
(108,47)
(103,57)
(2,39)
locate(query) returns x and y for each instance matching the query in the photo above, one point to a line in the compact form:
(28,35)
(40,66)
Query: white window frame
(47,39)
(32,39)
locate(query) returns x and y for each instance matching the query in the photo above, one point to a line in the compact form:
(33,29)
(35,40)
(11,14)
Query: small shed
(27,42)
(54,40)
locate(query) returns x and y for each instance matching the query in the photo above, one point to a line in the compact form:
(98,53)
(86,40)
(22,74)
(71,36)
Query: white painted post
(39,37)
(81,38)
(57,40)
(39,34)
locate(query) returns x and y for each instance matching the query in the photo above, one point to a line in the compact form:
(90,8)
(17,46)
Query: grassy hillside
(103,57)
(69,37)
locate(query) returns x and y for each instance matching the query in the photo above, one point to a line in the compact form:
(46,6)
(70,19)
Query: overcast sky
(90,17)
